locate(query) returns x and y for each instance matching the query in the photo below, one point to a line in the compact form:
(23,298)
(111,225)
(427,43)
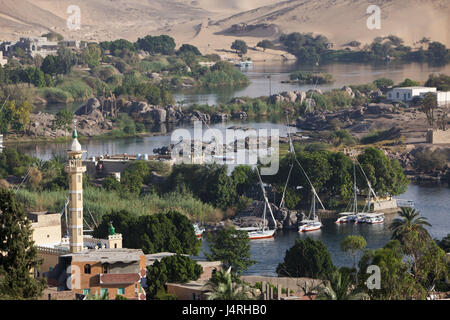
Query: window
(115,245)
(105,268)
(79,178)
(103,293)
(121,291)
(86,292)
(79,196)
(87,269)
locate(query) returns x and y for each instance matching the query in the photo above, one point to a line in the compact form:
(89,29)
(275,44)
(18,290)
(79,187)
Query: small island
(303,77)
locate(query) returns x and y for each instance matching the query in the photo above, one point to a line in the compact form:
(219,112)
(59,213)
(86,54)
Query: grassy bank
(100,202)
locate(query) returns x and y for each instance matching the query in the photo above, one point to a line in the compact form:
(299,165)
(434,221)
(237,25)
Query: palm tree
(408,221)
(340,287)
(222,287)
(410,230)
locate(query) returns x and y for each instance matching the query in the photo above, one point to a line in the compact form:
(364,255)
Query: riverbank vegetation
(204,193)
(303,77)
(332,176)
(149,69)
(310,48)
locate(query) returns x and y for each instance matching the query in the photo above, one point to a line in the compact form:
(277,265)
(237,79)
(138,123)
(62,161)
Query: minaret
(75,170)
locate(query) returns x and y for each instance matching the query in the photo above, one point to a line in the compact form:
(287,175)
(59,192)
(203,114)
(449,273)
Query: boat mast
(265,198)
(313,206)
(264,218)
(355,199)
(371,191)
(304,172)
(291,148)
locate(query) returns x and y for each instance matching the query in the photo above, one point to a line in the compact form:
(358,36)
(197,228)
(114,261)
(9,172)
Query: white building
(408,93)
(443,97)
(3,61)
(38,46)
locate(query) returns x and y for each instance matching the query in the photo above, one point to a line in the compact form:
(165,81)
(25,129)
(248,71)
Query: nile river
(432,202)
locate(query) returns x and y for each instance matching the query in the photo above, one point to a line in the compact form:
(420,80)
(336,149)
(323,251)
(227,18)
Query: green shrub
(56,95)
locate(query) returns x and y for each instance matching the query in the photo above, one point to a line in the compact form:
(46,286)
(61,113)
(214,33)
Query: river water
(265,79)
(433,202)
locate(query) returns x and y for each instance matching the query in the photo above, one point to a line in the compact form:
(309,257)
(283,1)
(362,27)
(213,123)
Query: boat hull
(375,222)
(310,228)
(261,235)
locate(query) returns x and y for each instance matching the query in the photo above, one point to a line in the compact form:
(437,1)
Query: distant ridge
(341,21)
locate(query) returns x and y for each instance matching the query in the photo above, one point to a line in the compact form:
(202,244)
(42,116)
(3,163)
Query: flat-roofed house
(46,228)
(407,94)
(106,272)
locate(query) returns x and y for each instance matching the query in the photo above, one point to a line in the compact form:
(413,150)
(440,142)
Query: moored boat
(198,231)
(262,233)
(351,216)
(310,226)
(346,217)
(375,218)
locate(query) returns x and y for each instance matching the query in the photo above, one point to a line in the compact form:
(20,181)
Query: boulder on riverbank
(42,125)
(252,217)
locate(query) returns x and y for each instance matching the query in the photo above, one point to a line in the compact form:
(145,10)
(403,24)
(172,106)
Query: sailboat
(351,216)
(262,233)
(198,230)
(312,223)
(368,217)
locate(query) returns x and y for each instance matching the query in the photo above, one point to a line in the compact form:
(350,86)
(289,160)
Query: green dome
(74,134)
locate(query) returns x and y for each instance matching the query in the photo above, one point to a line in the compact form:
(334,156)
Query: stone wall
(294,284)
(438,136)
(46,228)
(385,205)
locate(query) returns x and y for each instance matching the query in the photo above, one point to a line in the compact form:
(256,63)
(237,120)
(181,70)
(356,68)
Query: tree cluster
(172,269)
(162,232)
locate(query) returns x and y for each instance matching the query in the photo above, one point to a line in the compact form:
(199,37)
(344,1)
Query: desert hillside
(211,24)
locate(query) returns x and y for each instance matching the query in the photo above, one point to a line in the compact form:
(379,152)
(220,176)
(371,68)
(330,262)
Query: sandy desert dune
(209,23)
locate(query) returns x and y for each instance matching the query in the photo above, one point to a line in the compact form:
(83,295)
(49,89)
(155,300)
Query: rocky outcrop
(42,125)
(289,97)
(379,108)
(326,120)
(242,115)
(252,217)
(159,115)
(219,117)
(91,105)
(349,91)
